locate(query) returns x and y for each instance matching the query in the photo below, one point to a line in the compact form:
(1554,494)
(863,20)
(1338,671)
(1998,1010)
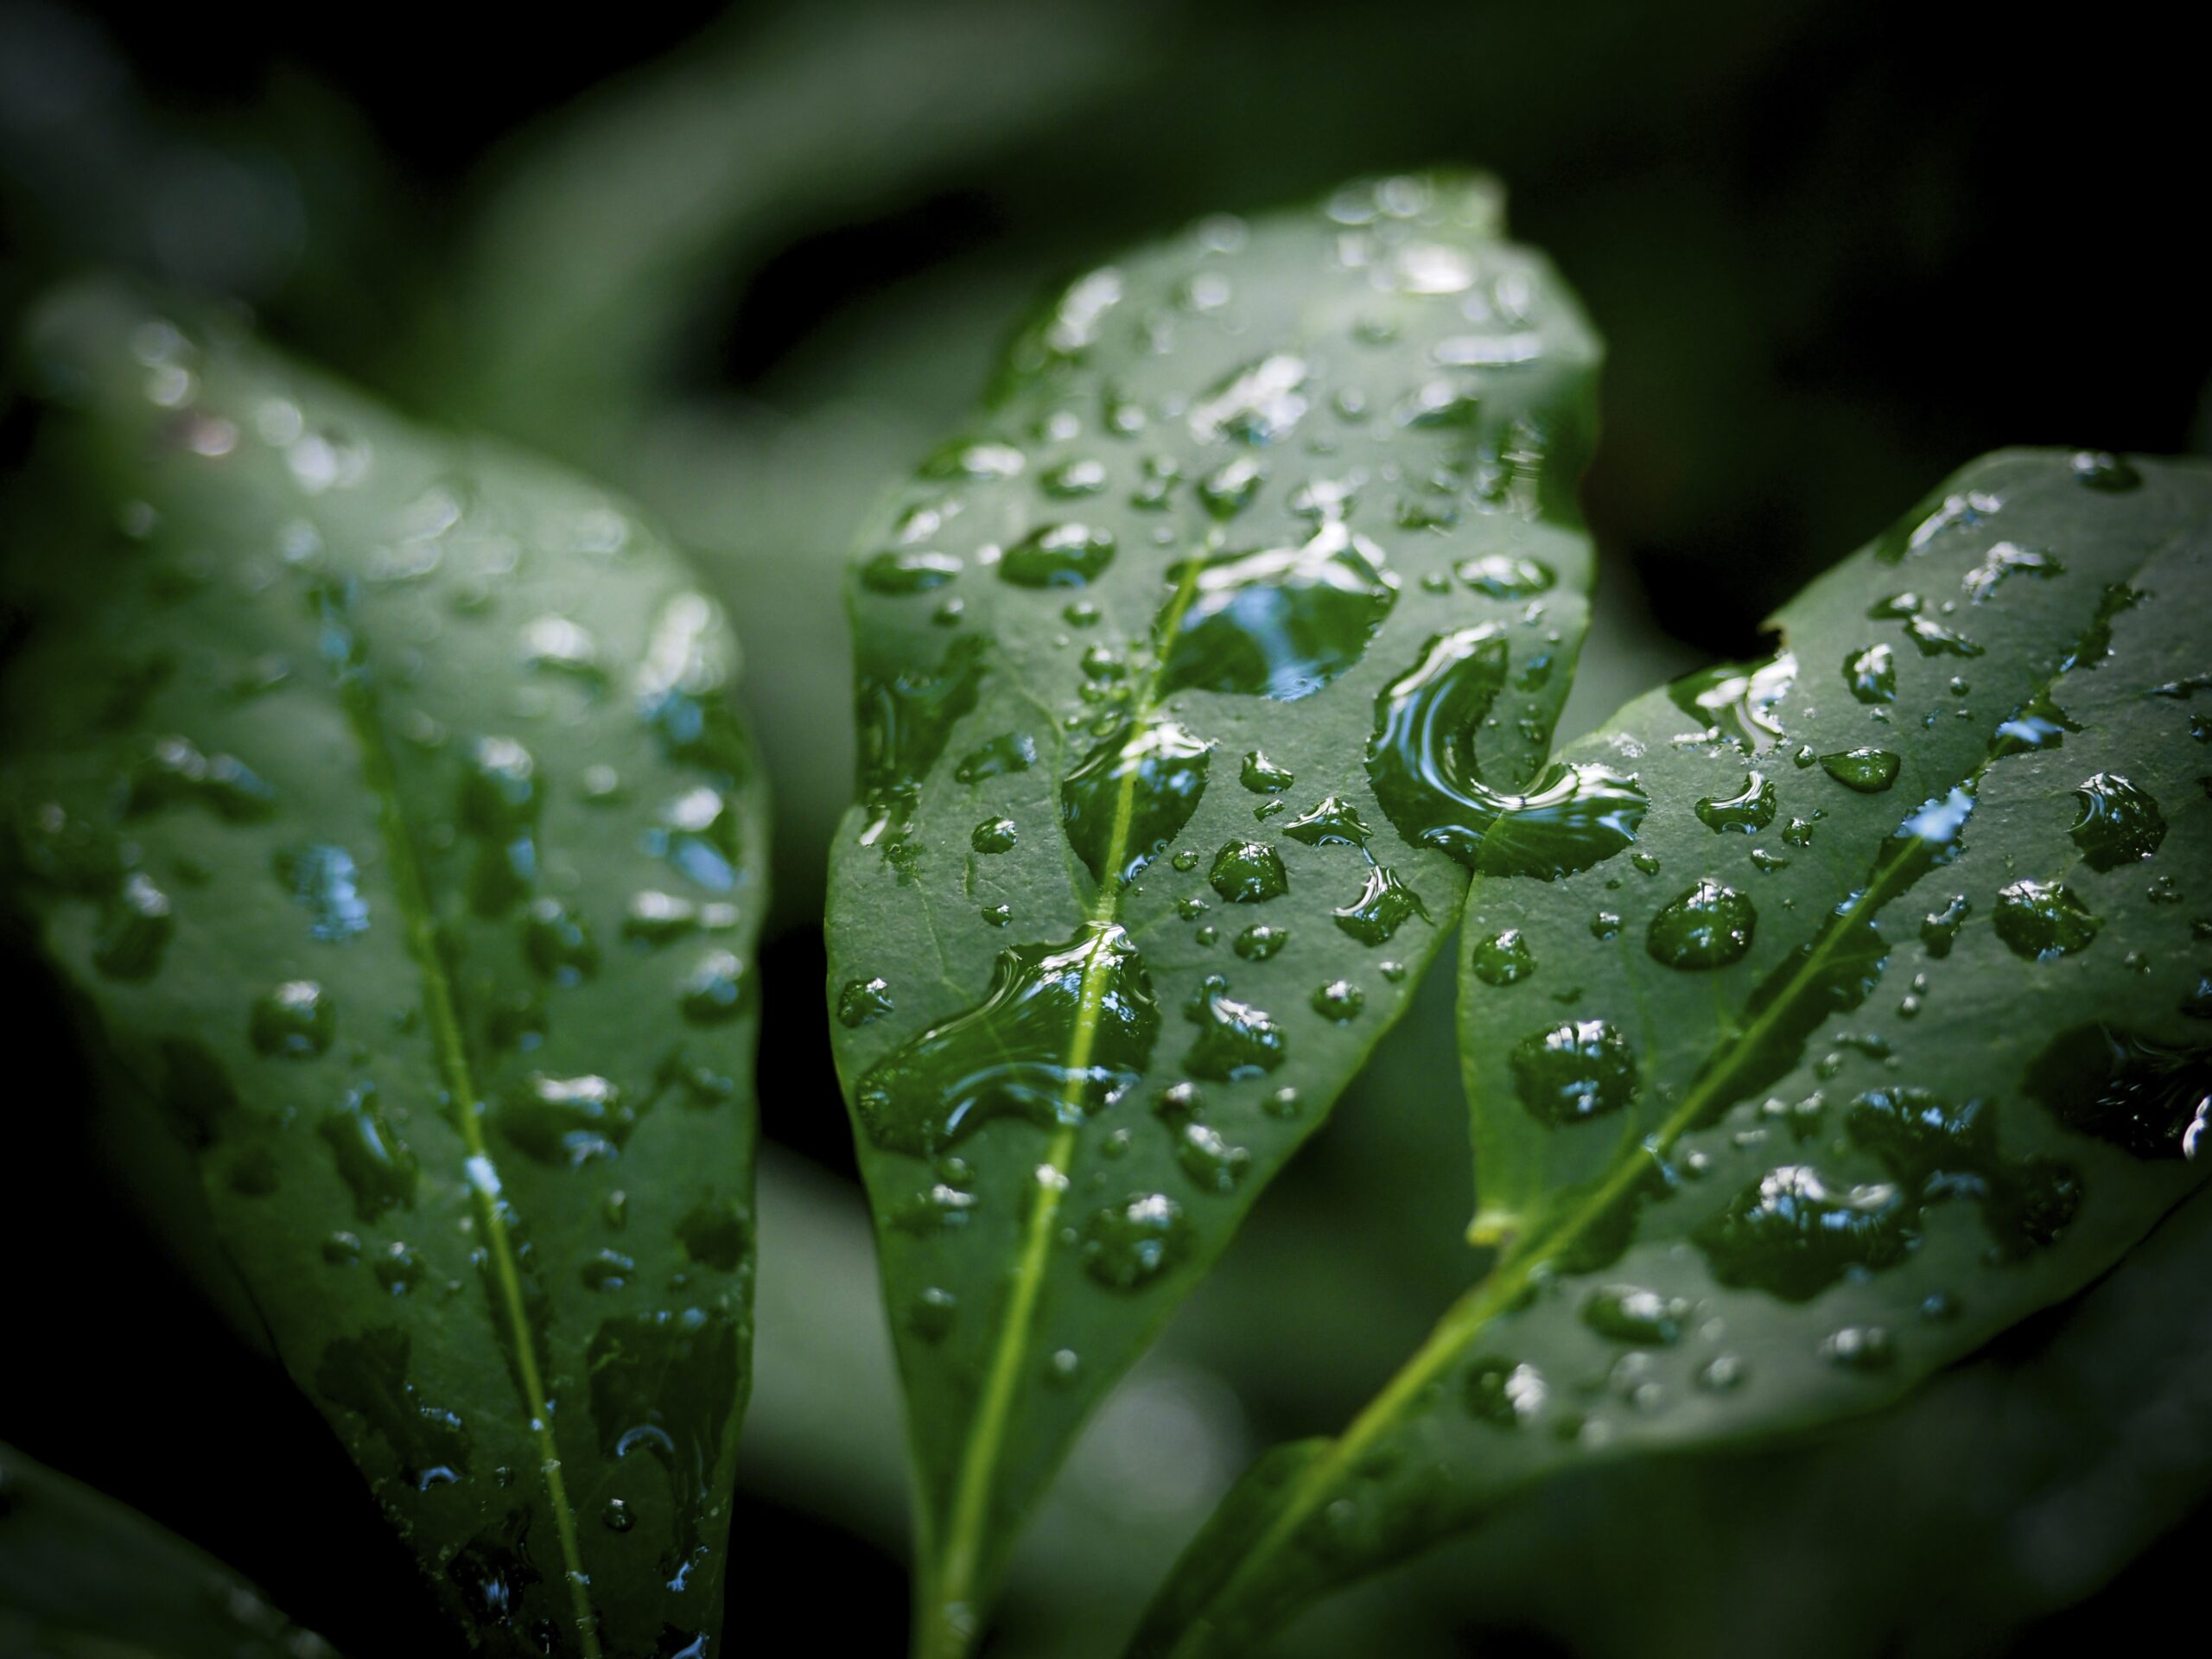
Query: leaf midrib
(1503,1289)
(958,1569)
(440,1007)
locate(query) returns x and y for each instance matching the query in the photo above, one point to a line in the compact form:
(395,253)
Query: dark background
(1836,249)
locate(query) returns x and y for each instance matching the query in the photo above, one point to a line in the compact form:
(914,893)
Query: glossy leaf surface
(1887,1031)
(82,1577)
(375,796)
(1264,554)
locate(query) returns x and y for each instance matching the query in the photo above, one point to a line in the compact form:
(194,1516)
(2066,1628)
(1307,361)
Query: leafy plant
(81,1574)
(376,822)
(1882,1040)
(1141,695)
(374,797)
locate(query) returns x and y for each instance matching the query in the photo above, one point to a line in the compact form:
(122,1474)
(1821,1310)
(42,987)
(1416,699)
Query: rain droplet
(1573,1072)
(1709,926)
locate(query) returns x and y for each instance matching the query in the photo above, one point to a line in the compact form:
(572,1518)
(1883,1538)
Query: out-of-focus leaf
(374,794)
(1887,1032)
(1112,925)
(598,237)
(83,1577)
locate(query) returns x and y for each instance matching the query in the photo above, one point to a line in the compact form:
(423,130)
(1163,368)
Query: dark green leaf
(82,1577)
(1123,906)
(1891,1030)
(375,795)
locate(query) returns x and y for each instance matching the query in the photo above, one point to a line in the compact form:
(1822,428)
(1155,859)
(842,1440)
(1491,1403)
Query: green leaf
(375,796)
(1888,1032)
(83,1577)
(1122,907)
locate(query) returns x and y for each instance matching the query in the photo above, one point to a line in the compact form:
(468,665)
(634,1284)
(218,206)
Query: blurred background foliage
(748,264)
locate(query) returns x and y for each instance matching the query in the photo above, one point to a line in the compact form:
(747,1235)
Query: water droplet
(175,773)
(1738,702)
(1872,674)
(1503,1393)
(1749,810)
(1126,1246)
(1421,765)
(378,1168)
(931,1314)
(1009,1055)
(2118,823)
(1209,1161)
(2005,560)
(1865,770)
(1573,1072)
(1130,797)
(714,992)
(1281,623)
(899,570)
(1258,404)
(614,1515)
(1072,480)
(2044,920)
(558,943)
(1334,823)
(1235,1040)
(2100,469)
(1264,777)
(1858,1348)
(565,1121)
(862,1001)
(1012,752)
(1709,926)
(905,714)
(993,836)
(1500,575)
(974,463)
(1249,872)
(135,926)
(1790,1236)
(1339,1000)
(1259,942)
(1503,958)
(1058,556)
(2143,1096)
(1631,1313)
(296,1021)
(1384,905)
(1229,489)
(1937,640)
(661,1383)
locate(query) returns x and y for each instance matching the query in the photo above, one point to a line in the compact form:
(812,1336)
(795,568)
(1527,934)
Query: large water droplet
(2140,1094)
(1058,556)
(1573,1072)
(1868,771)
(1281,623)
(565,1121)
(1872,674)
(1503,958)
(1235,1040)
(2118,823)
(1709,926)
(1738,701)
(1749,810)
(296,1021)
(1790,1236)
(1016,1053)
(1384,905)
(1130,797)
(1421,763)
(1249,872)
(2044,920)
(378,1168)
(1128,1245)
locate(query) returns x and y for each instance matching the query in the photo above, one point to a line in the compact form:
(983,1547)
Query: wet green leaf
(375,795)
(1842,1086)
(84,1577)
(1173,670)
